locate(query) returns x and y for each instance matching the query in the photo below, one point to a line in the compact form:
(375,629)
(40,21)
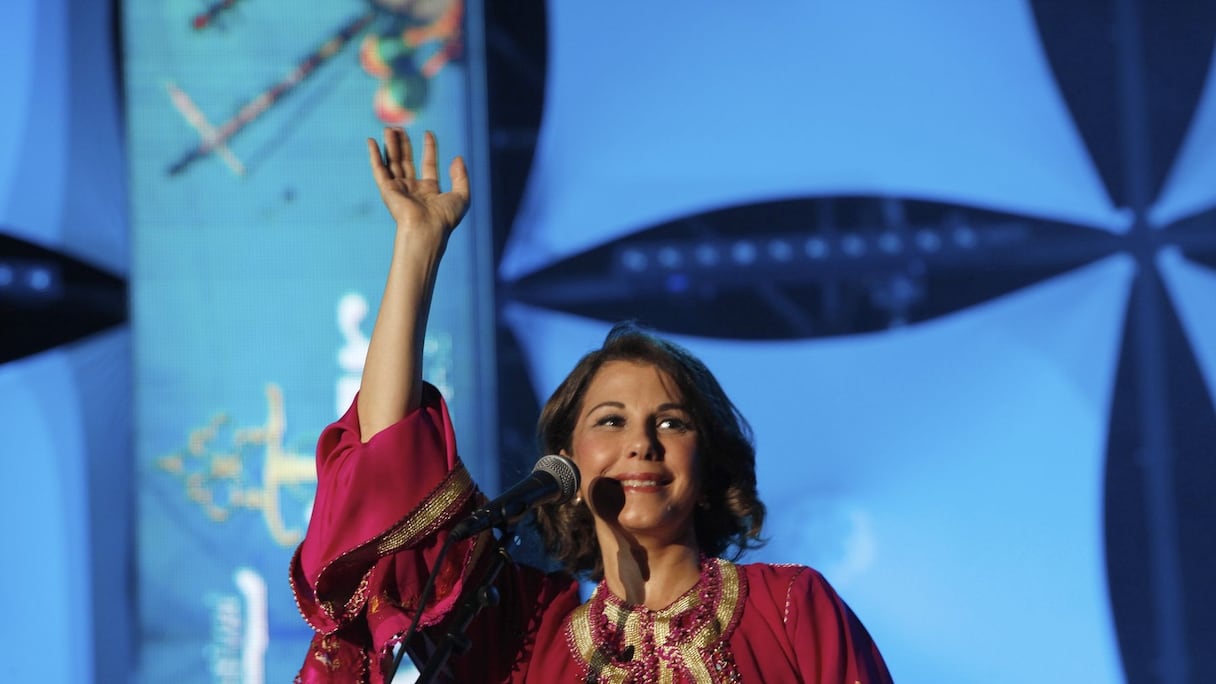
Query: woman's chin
(646,523)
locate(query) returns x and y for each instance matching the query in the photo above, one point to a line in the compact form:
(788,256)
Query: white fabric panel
(1191,186)
(947,478)
(45,509)
(35,78)
(661,110)
(95,225)
(17,73)
(61,180)
(1192,288)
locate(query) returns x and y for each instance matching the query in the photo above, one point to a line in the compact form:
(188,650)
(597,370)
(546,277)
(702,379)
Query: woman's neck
(650,576)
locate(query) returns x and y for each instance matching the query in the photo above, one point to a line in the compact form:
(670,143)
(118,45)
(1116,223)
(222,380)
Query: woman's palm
(416,202)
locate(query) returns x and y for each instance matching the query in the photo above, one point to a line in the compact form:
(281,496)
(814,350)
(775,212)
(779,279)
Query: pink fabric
(793,627)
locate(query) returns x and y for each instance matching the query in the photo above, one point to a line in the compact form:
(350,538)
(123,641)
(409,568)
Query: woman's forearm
(392,375)
(425,217)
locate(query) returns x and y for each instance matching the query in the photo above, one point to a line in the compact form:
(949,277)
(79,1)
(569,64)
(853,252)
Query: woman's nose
(644,444)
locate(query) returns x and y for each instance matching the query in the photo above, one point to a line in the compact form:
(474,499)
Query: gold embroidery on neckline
(703,656)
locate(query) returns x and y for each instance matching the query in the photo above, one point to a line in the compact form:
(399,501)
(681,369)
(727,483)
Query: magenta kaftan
(380,516)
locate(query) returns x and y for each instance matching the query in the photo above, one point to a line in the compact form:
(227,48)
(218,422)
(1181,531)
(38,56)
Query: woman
(668,485)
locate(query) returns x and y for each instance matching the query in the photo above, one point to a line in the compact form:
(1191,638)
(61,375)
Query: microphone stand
(474,598)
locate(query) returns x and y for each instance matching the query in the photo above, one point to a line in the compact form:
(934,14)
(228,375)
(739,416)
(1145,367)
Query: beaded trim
(431,514)
(435,510)
(684,642)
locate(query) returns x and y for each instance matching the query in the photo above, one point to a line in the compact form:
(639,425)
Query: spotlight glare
(670,257)
(676,283)
(891,243)
(780,250)
(706,255)
(816,248)
(928,241)
(743,252)
(39,279)
(853,245)
(903,290)
(965,237)
(634,260)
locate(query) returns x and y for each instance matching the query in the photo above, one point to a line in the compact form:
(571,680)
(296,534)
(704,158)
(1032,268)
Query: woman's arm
(425,217)
(831,643)
(378,496)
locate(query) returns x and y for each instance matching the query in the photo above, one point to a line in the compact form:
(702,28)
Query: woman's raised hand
(414,200)
(392,374)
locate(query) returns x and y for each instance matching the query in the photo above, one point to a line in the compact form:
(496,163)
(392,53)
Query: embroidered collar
(685,642)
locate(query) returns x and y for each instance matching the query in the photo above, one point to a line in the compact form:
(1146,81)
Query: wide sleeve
(395,494)
(831,644)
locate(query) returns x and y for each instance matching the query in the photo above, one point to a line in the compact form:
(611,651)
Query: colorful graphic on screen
(260,249)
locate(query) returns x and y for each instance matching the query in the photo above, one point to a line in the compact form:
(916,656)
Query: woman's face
(636,448)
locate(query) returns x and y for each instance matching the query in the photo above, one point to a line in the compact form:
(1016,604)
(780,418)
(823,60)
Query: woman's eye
(673,424)
(610,421)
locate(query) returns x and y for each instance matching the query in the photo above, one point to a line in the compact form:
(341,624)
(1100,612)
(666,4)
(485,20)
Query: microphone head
(564,471)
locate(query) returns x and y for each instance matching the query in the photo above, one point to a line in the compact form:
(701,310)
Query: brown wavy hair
(731,514)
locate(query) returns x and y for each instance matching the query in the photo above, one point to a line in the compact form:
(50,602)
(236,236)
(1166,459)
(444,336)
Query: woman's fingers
(393,172)
(392,151)
(430,156)
(376,161)
(400,153)
(460,179)
(407,154)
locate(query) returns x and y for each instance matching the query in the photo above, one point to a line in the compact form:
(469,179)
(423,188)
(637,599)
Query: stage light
(891,243)
(853,245)
(39,279)
(816,248)
(30,280)
(706,255)
(904,291)
(743,252)
(676,283)
(670,257)
(928,240)
(634,260)
(780,250)
(965,237)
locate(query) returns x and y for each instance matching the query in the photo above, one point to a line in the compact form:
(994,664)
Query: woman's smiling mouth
(642,481)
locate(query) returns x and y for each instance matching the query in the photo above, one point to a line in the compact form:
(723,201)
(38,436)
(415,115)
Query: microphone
(554,479)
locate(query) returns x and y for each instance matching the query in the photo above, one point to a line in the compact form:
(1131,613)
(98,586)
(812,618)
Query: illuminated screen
(260,251)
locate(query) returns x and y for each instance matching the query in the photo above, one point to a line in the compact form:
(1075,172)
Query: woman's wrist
(420,248)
